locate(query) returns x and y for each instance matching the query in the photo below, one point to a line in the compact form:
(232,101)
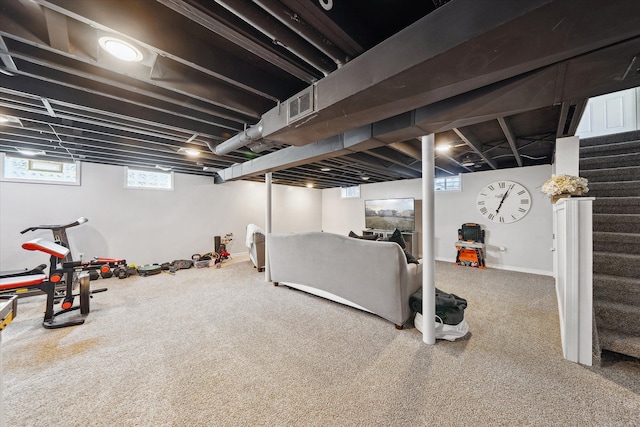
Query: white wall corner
(567,156)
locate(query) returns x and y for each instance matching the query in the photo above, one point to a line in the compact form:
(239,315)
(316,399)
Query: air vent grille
(301,104)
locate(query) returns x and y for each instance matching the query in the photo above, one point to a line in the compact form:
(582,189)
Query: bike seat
(46,246)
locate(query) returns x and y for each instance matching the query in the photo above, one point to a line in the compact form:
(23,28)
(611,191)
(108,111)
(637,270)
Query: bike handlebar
(78,221)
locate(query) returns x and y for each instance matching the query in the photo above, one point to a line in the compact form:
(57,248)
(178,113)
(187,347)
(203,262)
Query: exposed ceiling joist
(6,58)
(57,29)
(475,145)
(508,133)
(570,116)
(228,32)
(205,71)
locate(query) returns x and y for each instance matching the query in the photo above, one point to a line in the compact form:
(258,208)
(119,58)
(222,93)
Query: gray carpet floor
(222,347)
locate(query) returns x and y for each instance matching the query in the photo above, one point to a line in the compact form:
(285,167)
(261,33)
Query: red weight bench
(17,282)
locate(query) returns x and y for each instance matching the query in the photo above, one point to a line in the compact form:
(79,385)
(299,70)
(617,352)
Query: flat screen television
(389,214)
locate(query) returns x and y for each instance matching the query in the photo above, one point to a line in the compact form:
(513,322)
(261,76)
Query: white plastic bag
(443,331)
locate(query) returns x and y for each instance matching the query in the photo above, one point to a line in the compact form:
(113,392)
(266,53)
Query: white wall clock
(503,202)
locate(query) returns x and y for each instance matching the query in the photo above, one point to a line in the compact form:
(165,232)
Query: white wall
(527,242)
(146,226)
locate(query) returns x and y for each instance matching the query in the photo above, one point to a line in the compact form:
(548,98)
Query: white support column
(567,156)
(267,227)
(428,252)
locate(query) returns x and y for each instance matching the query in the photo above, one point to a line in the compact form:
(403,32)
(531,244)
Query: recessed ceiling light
(163,168)
(325,169)
(9,119)
(443,147)
(31,152)
(120,49)
(191,152)
(466,162)
(309,185)
(365,178)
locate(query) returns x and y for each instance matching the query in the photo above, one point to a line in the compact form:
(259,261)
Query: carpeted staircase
(612,165)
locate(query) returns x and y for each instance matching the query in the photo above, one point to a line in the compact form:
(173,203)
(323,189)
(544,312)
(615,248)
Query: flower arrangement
(565,184)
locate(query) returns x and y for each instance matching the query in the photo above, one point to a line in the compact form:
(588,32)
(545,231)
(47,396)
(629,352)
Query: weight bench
(20,282)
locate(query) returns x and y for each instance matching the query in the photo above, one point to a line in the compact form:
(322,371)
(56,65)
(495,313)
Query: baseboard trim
(508,268)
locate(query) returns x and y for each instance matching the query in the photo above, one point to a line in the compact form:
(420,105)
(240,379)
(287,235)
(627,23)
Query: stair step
(606,162)
(620,342)
(626,243)
(623,147)
(616,316)
(614,189)
(616,205)
(611,164)
(622,223)
(616,264)
(633,135)
(622,290)
(629,173)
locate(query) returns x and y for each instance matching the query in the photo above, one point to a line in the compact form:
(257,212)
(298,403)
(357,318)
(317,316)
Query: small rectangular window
(448,183)
(350,192)
(135,178)
(22,169)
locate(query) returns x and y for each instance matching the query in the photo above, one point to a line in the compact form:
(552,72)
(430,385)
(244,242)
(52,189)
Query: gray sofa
(370,275)
(255,243)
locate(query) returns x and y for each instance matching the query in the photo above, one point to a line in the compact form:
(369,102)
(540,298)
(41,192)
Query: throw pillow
(410,258)
(364,237)
(396,236)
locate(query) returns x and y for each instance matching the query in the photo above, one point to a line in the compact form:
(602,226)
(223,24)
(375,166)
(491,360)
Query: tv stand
(410,239)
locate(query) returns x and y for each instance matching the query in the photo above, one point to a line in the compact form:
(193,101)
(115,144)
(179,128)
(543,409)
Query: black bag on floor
(449,307)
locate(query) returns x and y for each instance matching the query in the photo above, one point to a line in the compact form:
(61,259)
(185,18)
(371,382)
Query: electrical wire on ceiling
(60,142)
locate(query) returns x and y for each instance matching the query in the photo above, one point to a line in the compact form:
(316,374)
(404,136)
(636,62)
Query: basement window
(350,192)
(137,178)
(447,183)
(23,169)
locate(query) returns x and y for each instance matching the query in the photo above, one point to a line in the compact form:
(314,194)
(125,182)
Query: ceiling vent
(301,104)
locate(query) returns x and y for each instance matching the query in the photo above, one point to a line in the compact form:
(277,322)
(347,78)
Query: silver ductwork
(240,140)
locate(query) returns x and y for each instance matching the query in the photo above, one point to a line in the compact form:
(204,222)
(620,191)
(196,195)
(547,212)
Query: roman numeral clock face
(503,202)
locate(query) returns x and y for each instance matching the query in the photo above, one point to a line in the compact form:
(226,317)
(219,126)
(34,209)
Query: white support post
(428,253)
(267,227)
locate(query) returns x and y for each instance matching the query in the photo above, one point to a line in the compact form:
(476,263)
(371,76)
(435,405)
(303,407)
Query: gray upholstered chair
(255,243)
